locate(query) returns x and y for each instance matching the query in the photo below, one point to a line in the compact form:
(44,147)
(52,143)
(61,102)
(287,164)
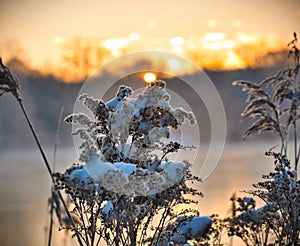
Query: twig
(159,228)
(10,84)
(47,165)
(53,167)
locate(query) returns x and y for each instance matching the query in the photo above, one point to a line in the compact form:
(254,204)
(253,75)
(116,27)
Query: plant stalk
(46,163)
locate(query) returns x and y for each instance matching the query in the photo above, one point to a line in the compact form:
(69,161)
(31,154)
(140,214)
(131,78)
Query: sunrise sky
(178,26)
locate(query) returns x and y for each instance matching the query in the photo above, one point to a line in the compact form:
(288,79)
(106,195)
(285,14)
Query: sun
(149,77)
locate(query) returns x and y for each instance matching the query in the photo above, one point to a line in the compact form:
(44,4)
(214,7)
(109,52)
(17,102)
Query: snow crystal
(248,200)
(113,103)
(80,174)
(192,228)
(97,169)
(108,209)
(257,213)
(127,168)
(163,103)
(174,170)
(79,118)
(123,92)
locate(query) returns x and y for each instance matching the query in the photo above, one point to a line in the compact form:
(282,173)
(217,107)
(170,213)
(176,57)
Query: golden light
(115,52)
(215,36)
(228,44)
(237,23)
(115,43)
(176,41)
(151,24)
(58,39)
(174,64)
(233,61)
(244,38)
(191,46)
(177,44)
(216,41)
(134,36)
(149,77)
(178,49)
(212,23)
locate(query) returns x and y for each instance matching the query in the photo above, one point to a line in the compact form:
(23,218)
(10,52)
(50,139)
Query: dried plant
(126,191)
(277,222)
(10,84)
(274,104)
(249,223)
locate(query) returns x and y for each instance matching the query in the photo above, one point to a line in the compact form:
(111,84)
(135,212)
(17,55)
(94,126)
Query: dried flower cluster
(278,221)
(275,104)
(125,181)
(8,82)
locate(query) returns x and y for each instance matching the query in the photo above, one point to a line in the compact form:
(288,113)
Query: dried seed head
(8,82)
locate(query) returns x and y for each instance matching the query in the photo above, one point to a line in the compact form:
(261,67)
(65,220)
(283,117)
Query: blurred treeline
(44,97)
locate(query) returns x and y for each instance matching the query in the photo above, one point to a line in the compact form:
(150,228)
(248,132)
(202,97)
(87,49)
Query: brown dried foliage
(8,82)
(274,102)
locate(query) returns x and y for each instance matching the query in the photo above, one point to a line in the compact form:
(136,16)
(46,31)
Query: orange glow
(174,64)
(177,44)
(212,50)
(204,30)
(212,23)
(244,38)
(149,77)
(58,39)
(216,41)
(115,43)
(134,36)
(233,61)
(176,41)
(215,36)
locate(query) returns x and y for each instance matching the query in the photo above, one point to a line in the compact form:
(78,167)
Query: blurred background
(54,46)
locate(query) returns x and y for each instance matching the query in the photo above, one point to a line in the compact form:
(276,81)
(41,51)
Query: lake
(25,188)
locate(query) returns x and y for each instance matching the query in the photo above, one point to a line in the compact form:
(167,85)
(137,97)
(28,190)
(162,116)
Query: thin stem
(298,156)
(132,234)
(161,223)
(53,167)
(92,225)
(295,143)
(47,164)
(144,231)
(36,139)
(51,218)
(81,212)
(281,134)
(119,228)
(267,236)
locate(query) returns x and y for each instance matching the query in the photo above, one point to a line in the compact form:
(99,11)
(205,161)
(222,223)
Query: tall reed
(9,83)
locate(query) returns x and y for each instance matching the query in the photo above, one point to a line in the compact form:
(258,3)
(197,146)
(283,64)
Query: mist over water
(25,188)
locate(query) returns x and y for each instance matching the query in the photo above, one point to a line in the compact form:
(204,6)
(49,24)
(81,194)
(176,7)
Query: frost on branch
(279,216)
(185,229)
(130,130)
(125,179)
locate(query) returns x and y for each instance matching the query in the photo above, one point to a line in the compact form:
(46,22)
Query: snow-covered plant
(126,191)
(249,223)
(277,221)
(280,190)
(274,103)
